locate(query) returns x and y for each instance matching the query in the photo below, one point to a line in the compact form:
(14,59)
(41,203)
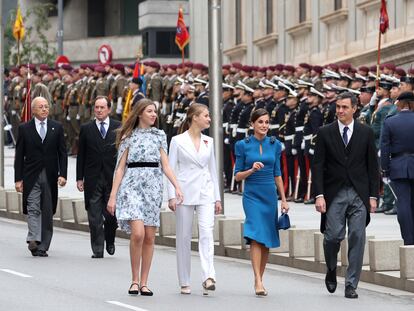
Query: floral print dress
(139,196)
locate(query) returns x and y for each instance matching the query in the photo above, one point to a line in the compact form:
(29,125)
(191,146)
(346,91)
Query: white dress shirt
(350,129)
(37,124)
(106,124)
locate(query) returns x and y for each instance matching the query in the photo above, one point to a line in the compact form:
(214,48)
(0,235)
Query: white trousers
(184,222)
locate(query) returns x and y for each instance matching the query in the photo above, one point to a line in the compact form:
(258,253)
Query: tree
(35,47)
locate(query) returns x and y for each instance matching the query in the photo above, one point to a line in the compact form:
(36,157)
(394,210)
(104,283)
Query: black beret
(406,96)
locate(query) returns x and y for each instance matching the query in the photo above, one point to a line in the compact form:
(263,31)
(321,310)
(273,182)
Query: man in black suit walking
(94,173)
(345,176)
(40,165)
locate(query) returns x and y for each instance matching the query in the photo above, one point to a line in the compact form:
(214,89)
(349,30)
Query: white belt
(299,128)
(225,124)
(307,137)
(179,114)
(244,131)
(273,126)
(233,125)
(289,137)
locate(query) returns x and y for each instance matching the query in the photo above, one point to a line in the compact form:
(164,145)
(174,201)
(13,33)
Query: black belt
(399,154)
(143,164)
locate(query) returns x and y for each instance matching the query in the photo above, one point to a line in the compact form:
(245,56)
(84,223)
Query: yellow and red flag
(182,37)
(18,27)
(384,20)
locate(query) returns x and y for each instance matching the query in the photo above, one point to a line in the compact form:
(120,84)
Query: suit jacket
(335,165)
(96,155)
(195,171)
(396,140)
(32,156)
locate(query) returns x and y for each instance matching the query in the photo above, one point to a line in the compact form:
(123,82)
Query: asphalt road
(70,280)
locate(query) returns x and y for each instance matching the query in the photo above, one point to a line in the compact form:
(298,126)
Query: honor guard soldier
(397,162)
(243,123)
(289,134)
(303,88)
(137,95)
(117,90)
(329,105)
(154,84)
(277,116)
(201,93)
(364,99)
(313,121)
(258,95)
(228,105)
(87,99)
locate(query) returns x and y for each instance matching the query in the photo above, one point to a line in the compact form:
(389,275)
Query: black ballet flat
(133,292)
(148,292)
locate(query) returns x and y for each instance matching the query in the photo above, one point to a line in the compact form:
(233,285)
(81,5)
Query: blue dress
(259,195)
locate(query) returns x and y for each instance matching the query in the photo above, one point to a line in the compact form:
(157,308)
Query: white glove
(226,141)
(77,117)
(119,107)
(13,112)
(67,118)
(373,100)
(386,180)
(294,152)
(302,145)
(379,153)
(283,146)
(311,151)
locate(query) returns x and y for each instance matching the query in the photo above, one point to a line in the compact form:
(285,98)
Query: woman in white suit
(191,157)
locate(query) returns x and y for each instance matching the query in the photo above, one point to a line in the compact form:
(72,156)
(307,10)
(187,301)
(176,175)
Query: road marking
(16,273)
(120,304)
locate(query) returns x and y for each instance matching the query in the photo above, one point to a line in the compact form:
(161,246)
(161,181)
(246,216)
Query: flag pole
(18,52)
(378,59)
(182,56)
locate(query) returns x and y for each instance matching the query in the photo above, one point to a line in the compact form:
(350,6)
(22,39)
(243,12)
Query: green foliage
(36,23)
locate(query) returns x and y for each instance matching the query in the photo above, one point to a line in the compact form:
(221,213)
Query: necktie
(102,129)
(345,135)
(42,131)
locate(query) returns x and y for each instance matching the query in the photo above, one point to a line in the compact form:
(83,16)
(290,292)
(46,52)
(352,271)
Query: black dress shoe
(41,253)
(383,208)
(32,246)
(146,292)
(298,200)
(330,281)
(97,255)
(310,201)
(110,248)
(350,292)
(392,211)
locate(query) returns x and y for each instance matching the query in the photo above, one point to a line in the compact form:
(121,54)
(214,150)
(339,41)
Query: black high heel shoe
(133,292)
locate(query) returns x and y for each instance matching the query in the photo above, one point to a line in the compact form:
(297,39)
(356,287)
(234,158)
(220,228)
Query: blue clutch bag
(283,222)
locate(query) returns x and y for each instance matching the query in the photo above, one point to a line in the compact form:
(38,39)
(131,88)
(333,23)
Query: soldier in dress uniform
(87,99)
(277,116)
(202,96)
(243,122)
(312,122)
(228,105)
(329,105)
(117,90)
(364,99)
(289,134)
(397,162)
(135,86)
(154,84)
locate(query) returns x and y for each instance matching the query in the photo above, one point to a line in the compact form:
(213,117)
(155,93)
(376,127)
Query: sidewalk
(302,216)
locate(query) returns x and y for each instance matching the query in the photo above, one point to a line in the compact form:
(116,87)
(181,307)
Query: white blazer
(195,171)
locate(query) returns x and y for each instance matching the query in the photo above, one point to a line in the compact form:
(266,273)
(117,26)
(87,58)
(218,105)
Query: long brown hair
(132,121)
(193,110)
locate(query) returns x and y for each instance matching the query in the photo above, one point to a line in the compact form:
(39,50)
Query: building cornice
(300,29)
(368,4)
(267,40)
(335,16)
(236,50)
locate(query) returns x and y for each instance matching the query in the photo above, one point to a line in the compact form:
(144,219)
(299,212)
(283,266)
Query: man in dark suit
(94,173)
(40,164)
(397,162)
(345,176)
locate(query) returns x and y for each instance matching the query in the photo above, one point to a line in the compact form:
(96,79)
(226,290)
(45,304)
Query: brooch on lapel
(53,128)
(272,139)
(206,142)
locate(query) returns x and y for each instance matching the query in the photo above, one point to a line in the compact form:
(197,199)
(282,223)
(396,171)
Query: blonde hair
(132,121)
(193,110)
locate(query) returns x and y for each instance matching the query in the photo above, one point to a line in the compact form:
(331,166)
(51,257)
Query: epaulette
(272,139)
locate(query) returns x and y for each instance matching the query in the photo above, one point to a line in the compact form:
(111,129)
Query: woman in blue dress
(258,163)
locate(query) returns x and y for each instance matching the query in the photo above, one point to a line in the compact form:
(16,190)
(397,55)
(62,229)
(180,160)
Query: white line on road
(16,273)
(120,304)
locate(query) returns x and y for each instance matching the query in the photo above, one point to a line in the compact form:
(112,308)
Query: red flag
(384,20)
(182,37)
(26,115)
